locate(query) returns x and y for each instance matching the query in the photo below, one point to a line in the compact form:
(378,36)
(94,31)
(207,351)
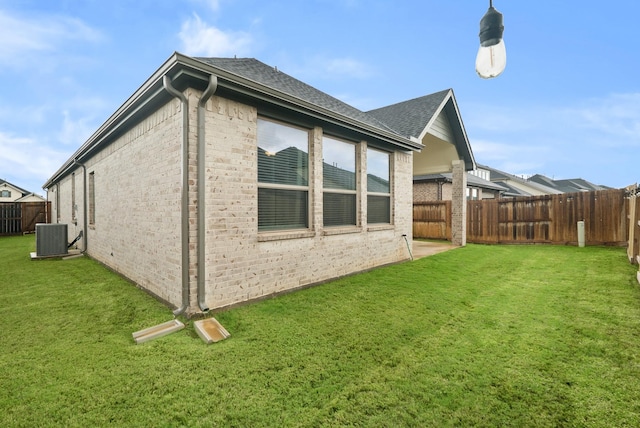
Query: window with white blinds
(378,187)
(339,182)
(283,176)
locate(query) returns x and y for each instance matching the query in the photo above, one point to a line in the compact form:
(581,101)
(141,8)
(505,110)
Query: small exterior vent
(51,239)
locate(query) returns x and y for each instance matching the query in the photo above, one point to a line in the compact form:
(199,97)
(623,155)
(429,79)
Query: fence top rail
(428,203)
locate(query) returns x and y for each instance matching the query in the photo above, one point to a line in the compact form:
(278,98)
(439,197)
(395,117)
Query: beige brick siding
(241,266)
(428,192)
(137,199)
(459,204)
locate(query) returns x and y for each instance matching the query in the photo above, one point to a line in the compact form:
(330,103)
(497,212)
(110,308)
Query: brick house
(224,180)
(434,121)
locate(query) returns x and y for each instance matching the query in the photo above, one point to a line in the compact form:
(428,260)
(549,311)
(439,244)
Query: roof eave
(450,105)
(257,90)
(179,65)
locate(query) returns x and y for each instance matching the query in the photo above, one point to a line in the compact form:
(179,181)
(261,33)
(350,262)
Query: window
(92,199)
(339,182)
(5,193)
(472,194)
(283,176)
(378,187)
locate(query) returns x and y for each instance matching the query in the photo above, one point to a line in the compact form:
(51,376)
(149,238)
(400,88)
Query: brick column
(459,204)
(361,184)
(315,181)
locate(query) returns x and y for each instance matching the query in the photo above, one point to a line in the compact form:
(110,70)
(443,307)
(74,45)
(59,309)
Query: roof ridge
(411,100)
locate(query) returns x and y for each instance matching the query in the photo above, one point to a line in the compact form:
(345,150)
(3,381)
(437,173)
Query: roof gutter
(260,91)
(211,89)
(152,88)
(184,193)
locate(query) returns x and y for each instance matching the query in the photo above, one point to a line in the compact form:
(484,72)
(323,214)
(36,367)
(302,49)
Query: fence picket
(549,219)
(21,217)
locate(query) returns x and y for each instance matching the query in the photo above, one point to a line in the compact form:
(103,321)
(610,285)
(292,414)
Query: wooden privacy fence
(432,220)
(21,217)
(633,247)
(548,219)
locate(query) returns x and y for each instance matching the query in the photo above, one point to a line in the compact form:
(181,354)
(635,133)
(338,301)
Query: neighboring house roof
(513,191)
(472,181)
(518,185)
(5,183)
(245,80)
(414,118)
(567,186)
(31,197)
(18,194)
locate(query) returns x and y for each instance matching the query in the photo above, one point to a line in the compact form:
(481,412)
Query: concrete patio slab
(428,248)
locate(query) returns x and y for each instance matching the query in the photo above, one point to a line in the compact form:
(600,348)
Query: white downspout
(184,193)
(211,89)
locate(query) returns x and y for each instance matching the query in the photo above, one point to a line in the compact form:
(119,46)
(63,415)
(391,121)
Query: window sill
(281,235)
(339,230)
(377,227)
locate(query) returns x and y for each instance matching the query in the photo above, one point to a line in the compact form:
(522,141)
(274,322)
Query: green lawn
(478,336)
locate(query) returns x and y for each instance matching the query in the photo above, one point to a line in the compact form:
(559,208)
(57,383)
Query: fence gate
(21,217)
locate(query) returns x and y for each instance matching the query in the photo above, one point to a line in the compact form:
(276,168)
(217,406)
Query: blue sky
(567,105)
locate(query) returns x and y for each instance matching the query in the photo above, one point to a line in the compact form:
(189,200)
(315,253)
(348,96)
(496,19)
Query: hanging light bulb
(492,55)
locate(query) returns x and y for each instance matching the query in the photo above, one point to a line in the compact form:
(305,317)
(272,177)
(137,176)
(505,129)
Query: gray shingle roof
(568,185)
(259,72)
(409,118)
(472,180)
(20,189)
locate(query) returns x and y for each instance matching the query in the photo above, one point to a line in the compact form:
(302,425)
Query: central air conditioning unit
(51,240)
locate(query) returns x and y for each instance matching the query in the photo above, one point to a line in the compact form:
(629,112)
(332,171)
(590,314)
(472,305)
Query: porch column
(459,204)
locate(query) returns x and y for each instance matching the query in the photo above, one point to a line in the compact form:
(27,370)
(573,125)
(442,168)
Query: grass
(540,336)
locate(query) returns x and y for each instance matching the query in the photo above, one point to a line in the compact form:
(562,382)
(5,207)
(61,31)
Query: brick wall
(137,203)
(425,192)
(137,211)
(243,264)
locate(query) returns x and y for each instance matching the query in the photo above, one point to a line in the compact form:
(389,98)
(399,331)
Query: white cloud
(199,38)
(22,38)
(615,119)
(75,132)
(516,159)
(590,138)
(28,163)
